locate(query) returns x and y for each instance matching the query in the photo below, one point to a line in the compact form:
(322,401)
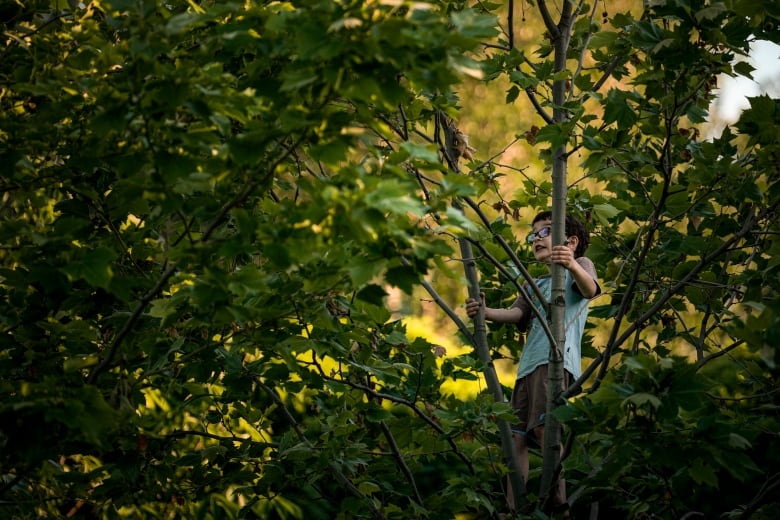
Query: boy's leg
(558,493)
(529,401)
(521,450)
(519,404)
(538,389)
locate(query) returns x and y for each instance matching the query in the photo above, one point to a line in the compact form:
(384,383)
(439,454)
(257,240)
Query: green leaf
(376,313)
(180,23)
(373,294)
(759,121)
(363,270)
(602,39)
(394,196)
(641,399)
(94,266)
(402,276)
(458,221)
(426,153)
(473,24)
(555,134)
(512,94)
(618,110)
(297,78)
(523,80)
(744,68)
(80,362)
(377,414)
(702,473)
(710,12)
(605,212)
(738,442)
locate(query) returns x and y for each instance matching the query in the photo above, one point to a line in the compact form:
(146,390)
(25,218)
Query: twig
(405,402)
(171,269)
(127,327)
(399,458)
(332,465)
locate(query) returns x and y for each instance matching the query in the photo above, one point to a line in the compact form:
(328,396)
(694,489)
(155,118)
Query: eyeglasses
(542,233)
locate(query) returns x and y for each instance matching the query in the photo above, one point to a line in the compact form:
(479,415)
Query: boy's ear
(573,242)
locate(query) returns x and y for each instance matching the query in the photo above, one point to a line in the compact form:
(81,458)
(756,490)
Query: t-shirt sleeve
(522,304)
(587,264)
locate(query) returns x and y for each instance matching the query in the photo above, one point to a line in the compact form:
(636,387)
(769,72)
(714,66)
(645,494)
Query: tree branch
(171,269)
(639,322)
(129,323)
(400,400)
(480,336)
(549,23)
(399,458)
(343,480)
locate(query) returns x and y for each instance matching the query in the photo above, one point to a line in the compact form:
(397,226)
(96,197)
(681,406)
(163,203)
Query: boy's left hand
(562,255)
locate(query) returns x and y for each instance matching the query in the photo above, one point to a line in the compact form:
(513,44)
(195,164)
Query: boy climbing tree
(530,395)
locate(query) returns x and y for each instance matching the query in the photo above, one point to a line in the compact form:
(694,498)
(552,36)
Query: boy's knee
(521,442)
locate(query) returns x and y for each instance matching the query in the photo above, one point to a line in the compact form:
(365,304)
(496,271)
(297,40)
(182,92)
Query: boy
(529,398)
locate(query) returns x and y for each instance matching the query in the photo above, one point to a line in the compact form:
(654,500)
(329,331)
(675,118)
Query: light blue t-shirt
(536,350)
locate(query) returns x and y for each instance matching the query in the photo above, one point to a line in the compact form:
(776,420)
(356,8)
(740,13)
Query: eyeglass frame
(544,232)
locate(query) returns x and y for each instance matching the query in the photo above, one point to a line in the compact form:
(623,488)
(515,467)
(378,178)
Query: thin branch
(480,343)
(722,352)
(399,458)
(549,23)
(530,94)
(509,31)
(704,330)
(130,322)
(102,212)
(178,434)
(331,464)
(400,400)
(617,60)
(15,39)
(625,304)
(768,490)
(583,50)
(510,22)
(677,287)
(249,189)
(750,397)
(705,261)
(540,314)
(171,269)
(462,327)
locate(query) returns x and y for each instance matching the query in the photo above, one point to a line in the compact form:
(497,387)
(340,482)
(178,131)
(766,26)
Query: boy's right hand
(472,306)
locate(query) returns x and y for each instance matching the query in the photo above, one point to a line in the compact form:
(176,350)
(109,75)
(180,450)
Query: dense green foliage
(205,205)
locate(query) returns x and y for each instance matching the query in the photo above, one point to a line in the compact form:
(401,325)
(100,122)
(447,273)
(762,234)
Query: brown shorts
(529,399)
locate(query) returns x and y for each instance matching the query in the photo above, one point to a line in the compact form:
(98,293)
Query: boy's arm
(585,280)
(510,315)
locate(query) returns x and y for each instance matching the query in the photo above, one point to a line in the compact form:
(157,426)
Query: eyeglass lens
(542,233)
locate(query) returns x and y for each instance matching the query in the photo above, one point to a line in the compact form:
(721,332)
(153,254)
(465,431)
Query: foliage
(205,205)
(193,273)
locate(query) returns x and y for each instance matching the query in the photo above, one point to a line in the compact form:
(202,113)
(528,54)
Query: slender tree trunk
(552,430)
(483,351)
(508,450)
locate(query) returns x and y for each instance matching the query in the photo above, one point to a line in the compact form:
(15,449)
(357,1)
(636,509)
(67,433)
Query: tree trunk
(508,450)
(483,351)
(552,430)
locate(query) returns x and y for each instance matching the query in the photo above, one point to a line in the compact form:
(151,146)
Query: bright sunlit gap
(734,91)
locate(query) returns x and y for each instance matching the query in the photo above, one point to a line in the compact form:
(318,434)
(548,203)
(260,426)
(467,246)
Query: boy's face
(542,246)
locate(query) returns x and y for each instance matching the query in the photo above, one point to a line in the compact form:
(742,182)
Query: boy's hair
(573,228)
